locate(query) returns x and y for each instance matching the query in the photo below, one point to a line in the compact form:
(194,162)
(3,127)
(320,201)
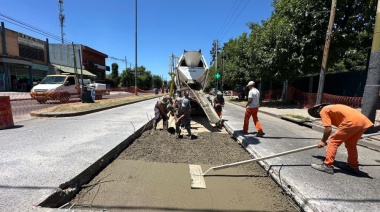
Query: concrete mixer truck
(191,75)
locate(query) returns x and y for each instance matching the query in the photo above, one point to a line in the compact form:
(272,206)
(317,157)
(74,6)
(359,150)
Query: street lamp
(136,48)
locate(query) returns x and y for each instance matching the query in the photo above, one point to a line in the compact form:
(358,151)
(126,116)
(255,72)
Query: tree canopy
(290,43)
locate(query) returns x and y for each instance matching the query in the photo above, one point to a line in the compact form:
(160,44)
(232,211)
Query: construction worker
(183,117)
(160,112)
(251,109)
(351,125)
(218,103)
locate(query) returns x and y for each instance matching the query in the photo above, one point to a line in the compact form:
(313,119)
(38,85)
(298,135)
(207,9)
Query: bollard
(6,118)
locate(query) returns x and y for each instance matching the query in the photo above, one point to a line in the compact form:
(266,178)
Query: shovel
(197,179)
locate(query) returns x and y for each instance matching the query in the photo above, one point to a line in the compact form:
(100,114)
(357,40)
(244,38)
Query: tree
(290,43)
(114,76)
(157,81)
(127,77)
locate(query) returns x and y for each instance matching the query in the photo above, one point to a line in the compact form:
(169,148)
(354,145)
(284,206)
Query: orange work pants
(252,112)
(350,136)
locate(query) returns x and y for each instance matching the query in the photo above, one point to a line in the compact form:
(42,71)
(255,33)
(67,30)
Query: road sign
(217,75)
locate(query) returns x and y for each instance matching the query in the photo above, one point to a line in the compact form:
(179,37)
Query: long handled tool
(197,179)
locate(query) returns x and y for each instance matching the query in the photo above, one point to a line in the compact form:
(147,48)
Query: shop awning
(15,61)
(71,70)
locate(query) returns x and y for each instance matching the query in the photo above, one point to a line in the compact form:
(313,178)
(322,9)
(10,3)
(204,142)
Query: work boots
(154,124)
(189,134)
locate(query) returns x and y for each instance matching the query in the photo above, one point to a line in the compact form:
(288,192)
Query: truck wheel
(64,97)
(42,101)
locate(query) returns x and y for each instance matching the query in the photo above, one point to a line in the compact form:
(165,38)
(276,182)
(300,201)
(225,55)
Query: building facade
(23,60)
(95,62)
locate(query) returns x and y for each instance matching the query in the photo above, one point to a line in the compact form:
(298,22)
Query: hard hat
(251,83)
(164,99)
(313,111)
(219,93)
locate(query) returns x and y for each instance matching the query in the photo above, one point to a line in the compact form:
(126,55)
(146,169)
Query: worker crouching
(160,112)
(183,117)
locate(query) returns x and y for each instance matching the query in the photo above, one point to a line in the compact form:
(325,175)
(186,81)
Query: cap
(185,102)
(251,83)
(164,99)
(313,111)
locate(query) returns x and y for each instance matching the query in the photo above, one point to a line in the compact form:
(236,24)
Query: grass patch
(303,118)
(104,103)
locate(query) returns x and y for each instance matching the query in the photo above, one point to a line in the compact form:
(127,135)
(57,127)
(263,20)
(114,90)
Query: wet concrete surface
(153,175)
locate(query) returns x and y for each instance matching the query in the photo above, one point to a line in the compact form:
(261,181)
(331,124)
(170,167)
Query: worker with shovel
(160,112)
(183,117)
(351,126)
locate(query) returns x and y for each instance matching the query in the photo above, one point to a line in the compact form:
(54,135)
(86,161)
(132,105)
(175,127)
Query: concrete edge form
(285,186)
(68,190)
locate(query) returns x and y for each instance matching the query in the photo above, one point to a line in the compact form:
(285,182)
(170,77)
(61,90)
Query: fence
(304,99)
(22,103)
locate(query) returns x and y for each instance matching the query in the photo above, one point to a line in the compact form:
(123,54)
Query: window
(31,53)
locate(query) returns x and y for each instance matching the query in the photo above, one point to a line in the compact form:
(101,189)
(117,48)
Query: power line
(31,28)
(229,18)
(225,20)
(235,19)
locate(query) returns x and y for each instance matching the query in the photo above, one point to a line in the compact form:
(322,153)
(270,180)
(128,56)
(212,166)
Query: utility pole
(126,64)
(136,48)
(171,74)
(326,53)
(222,75)
(371,89)
(216,64)
(61,18)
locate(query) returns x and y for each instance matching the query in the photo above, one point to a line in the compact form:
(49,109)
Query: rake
(197,176)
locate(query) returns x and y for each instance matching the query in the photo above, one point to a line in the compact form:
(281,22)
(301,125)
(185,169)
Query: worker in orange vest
(351,125)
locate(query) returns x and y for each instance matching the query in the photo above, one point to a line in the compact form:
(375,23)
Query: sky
(164,27)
